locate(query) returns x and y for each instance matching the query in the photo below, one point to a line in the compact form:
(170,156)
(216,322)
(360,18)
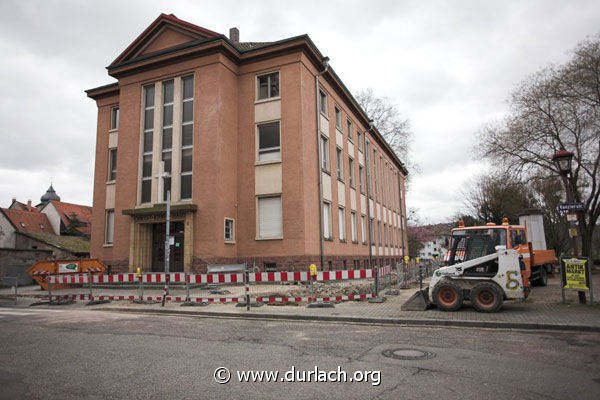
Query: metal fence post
(141,278)
(187,287)
(376,270)
(90,285)
(49,289)
(247,282)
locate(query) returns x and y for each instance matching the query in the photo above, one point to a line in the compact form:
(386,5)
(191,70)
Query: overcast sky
(449,66)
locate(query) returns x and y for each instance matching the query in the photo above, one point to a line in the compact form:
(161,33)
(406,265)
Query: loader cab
(469,246)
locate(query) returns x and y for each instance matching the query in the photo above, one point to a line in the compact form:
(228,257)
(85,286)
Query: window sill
(267,100)
(324,115)
(342,240)
(326,171)
(269,238)
(114,181)
(229,242)
(354,242)
(339,179)
(352,187)
(257,163)
(113,130)
(328,239)
(108,245)
(365,243)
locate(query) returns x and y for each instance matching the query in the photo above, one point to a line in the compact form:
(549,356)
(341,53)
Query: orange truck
(527,239)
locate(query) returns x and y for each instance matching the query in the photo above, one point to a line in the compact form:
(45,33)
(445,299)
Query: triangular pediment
(165,32)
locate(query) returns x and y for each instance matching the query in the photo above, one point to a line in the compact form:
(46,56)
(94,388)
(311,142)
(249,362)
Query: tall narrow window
(361,179)
(353,226)
(229,230)
(146,194)
(349,125)
(379,232)
(326,220)
(268,86)
(340,164)
(323,102)
(187,136)
(342,223)
(375,174)
(114,118)
(363,228)
(269,217)
(351,171)
(324,153)
(112,164)
(269,141)
(385,234)
(360,140)
(371,228)
(338,118)
(167,135)
(110,226)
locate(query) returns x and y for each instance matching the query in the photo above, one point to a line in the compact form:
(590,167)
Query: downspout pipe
(325,62)
(368,172)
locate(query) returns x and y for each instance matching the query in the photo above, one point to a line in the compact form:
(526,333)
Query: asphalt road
(82,354)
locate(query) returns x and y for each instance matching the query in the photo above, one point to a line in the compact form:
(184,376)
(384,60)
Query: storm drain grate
(408,354)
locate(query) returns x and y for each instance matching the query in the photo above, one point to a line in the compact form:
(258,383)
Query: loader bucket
(419,301)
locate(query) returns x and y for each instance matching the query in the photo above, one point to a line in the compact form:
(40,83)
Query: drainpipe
(318,116)
(368,172)
(402,224)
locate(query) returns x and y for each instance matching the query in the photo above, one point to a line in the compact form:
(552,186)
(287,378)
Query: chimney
(234,35)
(29,204)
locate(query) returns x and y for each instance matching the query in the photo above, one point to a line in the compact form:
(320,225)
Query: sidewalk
(542,310)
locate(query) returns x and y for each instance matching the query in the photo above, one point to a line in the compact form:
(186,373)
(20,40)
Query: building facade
(238,134)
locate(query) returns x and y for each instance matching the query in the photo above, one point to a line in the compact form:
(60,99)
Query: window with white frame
(351,171)
(371,228)
(379,232)
(270,221)
(353,226)
(187,136)
(109,227)
(342,223)
(340,164)
(324,153)
(360,141)
(323,102)
(269,141)
(114,118)
(361,179)
(363,228)
(338,118)
(326,220)
(146,187)
(167,135)
(112,164)
(229,230)
(267,86)
(385,231)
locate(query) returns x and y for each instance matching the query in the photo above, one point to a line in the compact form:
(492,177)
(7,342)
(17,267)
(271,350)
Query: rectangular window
(326,220)
(379,232)
(269,141)
(349,125)
(324,153)
(148,133)
(187,137)
(342,223)
(110,226)
(229,230)
(269,217)
(268,86)
(353,226)
(363,228)
(340,164)
(112,162)
(360,140)
(323,102)
(361,179)
(371,228)
(385,242)
(114,118)
(351,171)
(375,174)
(338,118)
(167,135)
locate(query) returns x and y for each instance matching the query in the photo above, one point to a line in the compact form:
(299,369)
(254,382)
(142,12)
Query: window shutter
(269,214)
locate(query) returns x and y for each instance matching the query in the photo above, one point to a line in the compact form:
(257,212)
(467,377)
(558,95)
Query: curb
(366,320)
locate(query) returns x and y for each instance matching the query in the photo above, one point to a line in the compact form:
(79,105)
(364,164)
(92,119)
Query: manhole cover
(408,354)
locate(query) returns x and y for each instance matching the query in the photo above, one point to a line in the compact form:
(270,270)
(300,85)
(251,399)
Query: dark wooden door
(176,249)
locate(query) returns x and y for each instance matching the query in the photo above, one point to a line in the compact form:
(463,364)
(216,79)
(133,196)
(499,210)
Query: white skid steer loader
(490,275)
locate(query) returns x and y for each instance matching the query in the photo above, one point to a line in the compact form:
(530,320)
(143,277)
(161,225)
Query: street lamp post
(563,160)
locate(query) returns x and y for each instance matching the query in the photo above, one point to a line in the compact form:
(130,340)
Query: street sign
(565,207)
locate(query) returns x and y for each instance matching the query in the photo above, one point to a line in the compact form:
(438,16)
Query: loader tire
(487,297)
(448,296)
(543,279)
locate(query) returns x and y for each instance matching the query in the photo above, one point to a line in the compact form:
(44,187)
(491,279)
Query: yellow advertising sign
(575,274)
(313,270)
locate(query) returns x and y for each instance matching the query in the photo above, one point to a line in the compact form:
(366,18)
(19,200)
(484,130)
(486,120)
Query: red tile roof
(28,221)
(17,205)
(81,212)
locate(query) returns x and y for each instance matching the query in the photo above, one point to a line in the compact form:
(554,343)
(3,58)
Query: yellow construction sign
(575,275)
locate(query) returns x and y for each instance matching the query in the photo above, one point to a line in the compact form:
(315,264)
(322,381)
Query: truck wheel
(543,279)
(487,297)
(448,296)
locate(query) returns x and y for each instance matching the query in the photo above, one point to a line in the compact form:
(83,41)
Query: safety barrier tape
(41,273)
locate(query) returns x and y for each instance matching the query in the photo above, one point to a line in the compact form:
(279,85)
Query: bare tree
(389,122)
(558,107)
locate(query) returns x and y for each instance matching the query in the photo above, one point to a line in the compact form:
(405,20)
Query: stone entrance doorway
(177,231)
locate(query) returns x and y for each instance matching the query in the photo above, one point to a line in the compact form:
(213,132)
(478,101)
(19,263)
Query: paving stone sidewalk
(543,310)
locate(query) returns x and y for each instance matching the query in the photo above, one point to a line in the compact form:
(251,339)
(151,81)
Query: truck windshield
(498,234)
